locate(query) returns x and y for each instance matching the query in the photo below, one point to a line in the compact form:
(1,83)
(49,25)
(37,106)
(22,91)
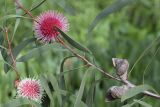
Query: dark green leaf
(72,42)
(36,51)
(108,10)
(134,91)
(143,103)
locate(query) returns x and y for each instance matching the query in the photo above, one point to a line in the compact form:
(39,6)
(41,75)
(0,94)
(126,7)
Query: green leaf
(22,45)
(62,80)
(65,5)
(143,103)
(134,91)
(13,16)
(46,88)
(56,88)
(108,10)
(91,91)
(18,12)
(72,42)
(73,97)
(81,89)
(36,51)
(36,6)
(19,102)
(15,53)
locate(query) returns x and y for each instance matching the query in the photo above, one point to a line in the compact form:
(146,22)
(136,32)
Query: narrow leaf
(35,52)
(22,45)
(134,91)
(62,80)
(108,10)
(72,42)
(66,6)
(18,12)
(36,6)
(91,92)
(15,53)
(13,16)
(143,103)
(46,87)
(56,88)
(73,97)
(81,89)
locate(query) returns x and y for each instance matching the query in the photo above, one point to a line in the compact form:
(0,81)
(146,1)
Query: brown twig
(25,10)
(126,82)
(85,60)
(10,53)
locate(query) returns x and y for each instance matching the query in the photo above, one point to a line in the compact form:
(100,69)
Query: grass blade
(56,88)
(81,89)
(108,10)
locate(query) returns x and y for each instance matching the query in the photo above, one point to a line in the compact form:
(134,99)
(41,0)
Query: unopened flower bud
(16,83)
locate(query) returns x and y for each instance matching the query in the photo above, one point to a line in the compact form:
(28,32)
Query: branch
(10,53)
(88,62)
(124,81)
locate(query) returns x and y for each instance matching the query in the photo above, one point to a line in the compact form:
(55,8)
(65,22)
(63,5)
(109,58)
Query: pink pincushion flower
(45,23)
(30,89)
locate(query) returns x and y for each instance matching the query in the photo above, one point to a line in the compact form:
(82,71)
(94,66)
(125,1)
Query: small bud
(116,92)
(121,66)
(16,83)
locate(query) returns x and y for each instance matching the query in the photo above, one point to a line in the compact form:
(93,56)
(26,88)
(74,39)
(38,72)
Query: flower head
(30,89)
(45,23)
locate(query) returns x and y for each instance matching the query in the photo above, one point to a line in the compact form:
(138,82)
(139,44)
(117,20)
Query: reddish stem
(10,53)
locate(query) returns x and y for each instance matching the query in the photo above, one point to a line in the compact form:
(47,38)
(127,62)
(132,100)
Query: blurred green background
(131,32)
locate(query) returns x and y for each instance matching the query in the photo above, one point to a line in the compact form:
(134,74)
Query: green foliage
(19,102)
(134,91)
(122,28)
